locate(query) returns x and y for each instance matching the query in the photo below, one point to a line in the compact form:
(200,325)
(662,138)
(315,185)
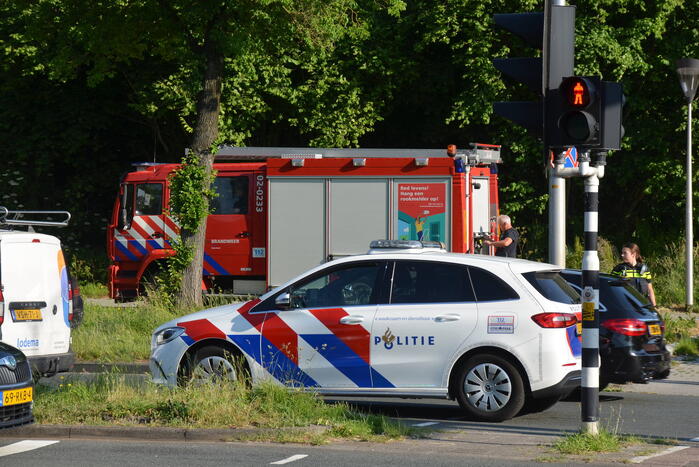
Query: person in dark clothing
(634,269)
(509,238)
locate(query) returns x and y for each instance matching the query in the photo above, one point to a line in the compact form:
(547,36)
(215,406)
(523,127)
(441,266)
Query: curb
(152,433)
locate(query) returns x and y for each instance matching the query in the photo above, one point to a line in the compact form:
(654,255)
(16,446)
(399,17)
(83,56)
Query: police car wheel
(213,364)
(490,388)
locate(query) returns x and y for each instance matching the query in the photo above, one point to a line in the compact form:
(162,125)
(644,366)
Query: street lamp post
(688,72)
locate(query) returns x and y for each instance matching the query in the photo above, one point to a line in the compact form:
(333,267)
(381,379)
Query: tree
(222,64)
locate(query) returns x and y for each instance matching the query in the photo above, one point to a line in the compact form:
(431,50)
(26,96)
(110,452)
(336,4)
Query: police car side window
(489,287)
(349,285)
(430,282)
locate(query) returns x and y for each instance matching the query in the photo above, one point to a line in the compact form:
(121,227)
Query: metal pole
(557,215)
(689,246)
(590,310)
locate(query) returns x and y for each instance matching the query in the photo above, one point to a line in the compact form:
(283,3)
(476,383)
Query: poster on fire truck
(422,211)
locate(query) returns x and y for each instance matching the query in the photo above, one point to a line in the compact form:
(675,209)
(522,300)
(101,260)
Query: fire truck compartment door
(296,227)
(359,213)
(481,204)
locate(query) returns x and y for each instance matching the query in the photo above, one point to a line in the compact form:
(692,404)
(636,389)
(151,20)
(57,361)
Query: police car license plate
(27,315)
(654,329)
(16,396)
(579,328)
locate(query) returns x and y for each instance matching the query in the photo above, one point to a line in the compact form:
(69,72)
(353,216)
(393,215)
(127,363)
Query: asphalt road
(109,453)
(653,415)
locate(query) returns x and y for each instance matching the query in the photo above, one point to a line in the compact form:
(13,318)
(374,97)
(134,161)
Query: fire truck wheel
(213,364)
(489,388)
(149,278)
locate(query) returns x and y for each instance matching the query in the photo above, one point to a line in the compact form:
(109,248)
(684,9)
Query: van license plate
(654,329)
(16,396)
(27,315)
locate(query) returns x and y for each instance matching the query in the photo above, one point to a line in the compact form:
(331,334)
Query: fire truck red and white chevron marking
(145,234)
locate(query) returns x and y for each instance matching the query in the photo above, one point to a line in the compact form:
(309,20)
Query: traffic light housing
(585,112)
(554,35)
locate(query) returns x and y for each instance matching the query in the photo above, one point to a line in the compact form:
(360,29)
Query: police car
(406,319)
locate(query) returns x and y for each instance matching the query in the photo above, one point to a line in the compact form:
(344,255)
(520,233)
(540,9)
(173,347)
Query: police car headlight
(166,335)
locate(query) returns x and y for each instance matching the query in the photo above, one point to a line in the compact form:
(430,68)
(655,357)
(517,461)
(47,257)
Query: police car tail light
(2,308)
(627,327)
(555,320)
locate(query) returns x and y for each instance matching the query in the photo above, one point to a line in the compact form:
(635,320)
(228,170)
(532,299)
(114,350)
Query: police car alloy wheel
(212,364)
(490,388)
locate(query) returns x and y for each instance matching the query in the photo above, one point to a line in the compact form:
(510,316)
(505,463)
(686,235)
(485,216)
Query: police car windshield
(551,285)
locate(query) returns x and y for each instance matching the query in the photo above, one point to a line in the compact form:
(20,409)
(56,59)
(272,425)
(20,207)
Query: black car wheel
(489,388)
(213,364)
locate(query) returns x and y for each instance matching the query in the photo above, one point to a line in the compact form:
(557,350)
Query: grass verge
(585,443)
(110,401)
(118,334)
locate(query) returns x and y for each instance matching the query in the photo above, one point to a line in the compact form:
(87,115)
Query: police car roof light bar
(8,217)
(405,244)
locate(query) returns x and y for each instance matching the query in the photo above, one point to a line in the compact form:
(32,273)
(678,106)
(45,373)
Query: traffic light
(613,100)
(586,112)
(554,35)
(575,112)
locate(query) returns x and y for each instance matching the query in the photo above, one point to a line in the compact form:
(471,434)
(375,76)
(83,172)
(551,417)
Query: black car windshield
(551,285)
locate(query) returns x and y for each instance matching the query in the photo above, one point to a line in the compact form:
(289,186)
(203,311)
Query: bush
(608,255)
(668,269)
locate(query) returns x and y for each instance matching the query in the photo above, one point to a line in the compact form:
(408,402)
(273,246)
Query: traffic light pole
(590,287)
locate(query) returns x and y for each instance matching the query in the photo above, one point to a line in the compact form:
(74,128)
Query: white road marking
(293,458)
(638,460)
(425,424)
(23,446)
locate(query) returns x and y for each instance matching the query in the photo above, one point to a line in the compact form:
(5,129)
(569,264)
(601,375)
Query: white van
(36,296)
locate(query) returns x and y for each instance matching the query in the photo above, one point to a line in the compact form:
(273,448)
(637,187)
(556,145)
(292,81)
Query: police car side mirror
(283,301)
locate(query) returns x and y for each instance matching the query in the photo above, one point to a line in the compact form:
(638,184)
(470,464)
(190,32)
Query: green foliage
(678,328)
(668,268)
(607,254)
(687,347)
(109,400)
(604,441)
(89,88)
(190,192)
(119,334)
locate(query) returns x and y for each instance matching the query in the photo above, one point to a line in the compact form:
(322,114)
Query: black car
(16,390)
(631,332)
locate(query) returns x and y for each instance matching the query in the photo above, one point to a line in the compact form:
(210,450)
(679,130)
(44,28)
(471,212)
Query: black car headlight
(166,335)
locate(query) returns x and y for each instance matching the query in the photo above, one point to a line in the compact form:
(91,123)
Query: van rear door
(35,287)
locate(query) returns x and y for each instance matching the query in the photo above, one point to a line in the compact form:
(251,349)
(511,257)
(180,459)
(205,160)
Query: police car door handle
(351,320)
(442,318)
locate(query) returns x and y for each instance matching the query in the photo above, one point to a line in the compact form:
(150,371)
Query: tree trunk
(205,134)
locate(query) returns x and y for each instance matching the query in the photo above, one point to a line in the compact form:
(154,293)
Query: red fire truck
(280,211)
